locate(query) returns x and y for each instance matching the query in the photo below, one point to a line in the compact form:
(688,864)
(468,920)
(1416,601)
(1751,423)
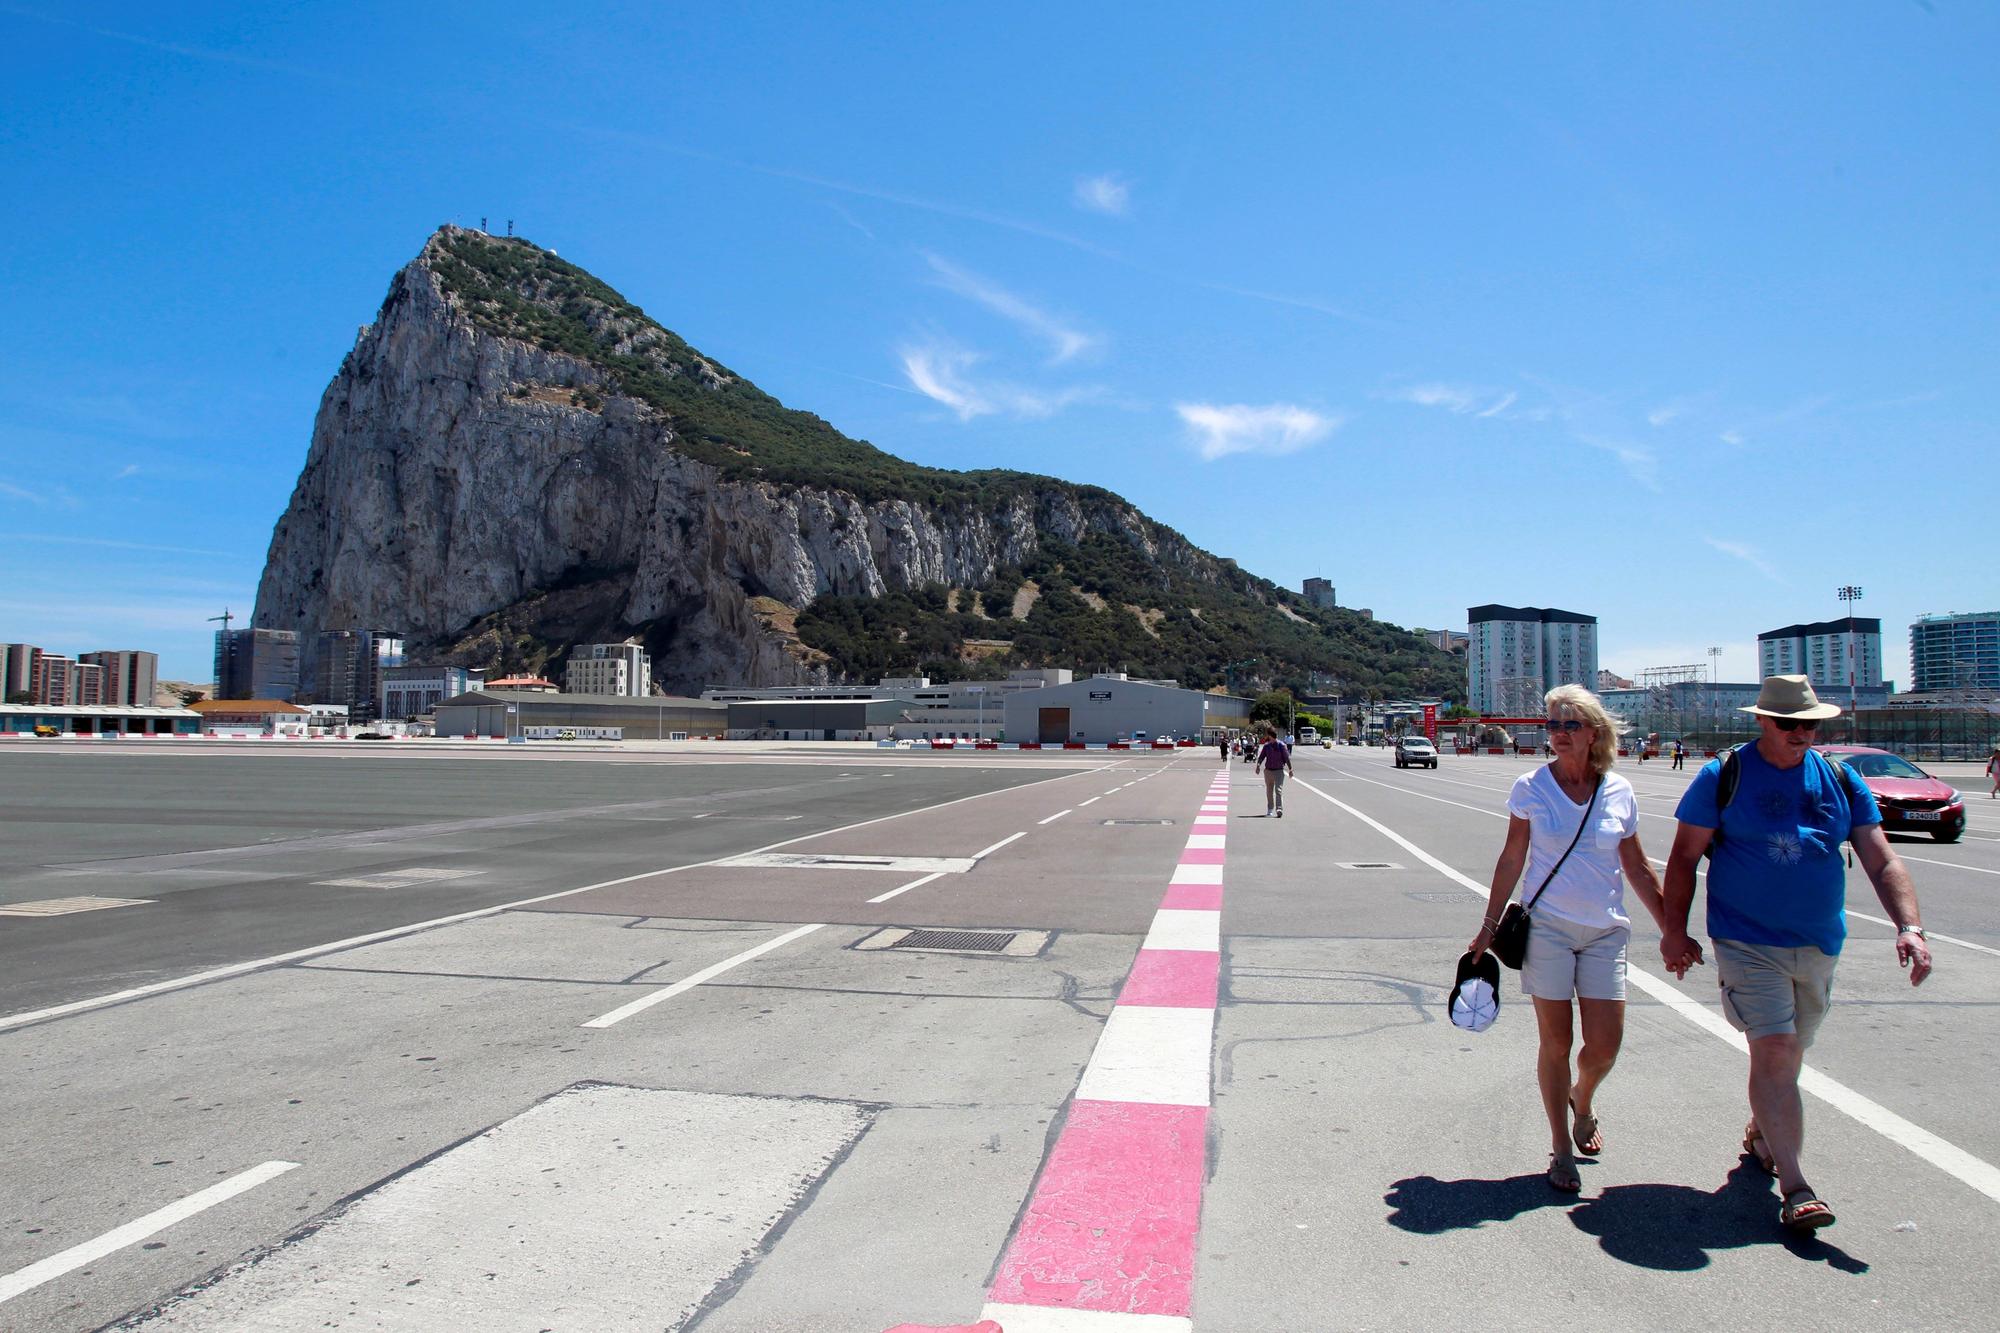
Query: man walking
(1274,758)
(1680,755)
(1776,895)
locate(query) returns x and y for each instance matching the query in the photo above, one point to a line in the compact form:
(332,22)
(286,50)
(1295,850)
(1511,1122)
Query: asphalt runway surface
(449,1038)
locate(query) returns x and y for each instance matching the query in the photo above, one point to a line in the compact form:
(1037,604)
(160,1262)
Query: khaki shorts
(1566,959)
(1770,991)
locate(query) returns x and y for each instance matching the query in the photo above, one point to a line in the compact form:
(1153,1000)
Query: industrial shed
(814,719)
(542,714)
(1115,708)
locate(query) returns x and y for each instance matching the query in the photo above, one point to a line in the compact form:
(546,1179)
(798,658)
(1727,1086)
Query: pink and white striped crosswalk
(1107,1243)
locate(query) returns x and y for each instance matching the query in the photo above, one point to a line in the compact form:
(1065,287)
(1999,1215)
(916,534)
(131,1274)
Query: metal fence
(1914,733)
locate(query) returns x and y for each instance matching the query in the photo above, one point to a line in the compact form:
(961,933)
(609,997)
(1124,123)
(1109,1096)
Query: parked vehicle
(1912,801)
(46,732)
(1308,735)
(1415,751)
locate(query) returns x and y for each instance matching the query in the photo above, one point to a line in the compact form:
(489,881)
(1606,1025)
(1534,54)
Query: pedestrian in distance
(1573,825)
(1680,755)
(1222,746)
(1772,815)
(1993,771)
(1274,761)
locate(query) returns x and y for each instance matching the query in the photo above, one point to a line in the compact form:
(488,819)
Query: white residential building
(1516,654)
(623,669)
(416,691)
(1824,652)
(130,676)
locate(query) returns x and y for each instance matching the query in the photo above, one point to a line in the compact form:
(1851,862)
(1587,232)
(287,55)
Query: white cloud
(1103,194)
(1064,341)
(940,371)
(14,492)
(129,470)
(1459,399)
(1732,437)
(1660,416)
(1641,464)
(1749,555)
(1221,429)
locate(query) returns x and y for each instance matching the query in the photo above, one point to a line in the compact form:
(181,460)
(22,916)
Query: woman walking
(1274,760)
(1573,824)
(1993,771)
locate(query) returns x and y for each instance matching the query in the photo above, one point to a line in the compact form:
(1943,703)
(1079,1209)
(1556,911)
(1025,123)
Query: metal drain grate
(1368,865)
(1442,896)
(958,941)
(1138,821)
(65,906)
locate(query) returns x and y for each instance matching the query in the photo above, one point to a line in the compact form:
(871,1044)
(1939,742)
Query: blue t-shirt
(1776,878)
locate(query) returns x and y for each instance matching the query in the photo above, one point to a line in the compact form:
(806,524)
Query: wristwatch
(1918,931)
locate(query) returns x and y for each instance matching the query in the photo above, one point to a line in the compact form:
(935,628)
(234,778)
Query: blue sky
(1681,316)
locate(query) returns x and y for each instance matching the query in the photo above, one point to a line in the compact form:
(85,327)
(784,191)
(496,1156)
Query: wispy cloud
(13,492)
(850,219)
(941,371)
(1103,194)
(129,470)
(1741,432)
(110,544)
(1064,341)
(1660,416)
(1749,555)
(1221,429)
(1732,438)
(1640,463)
(1282,298)
(1460,399)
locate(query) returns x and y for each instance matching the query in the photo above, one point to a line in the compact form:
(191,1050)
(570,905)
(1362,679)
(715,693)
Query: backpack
(1731,777)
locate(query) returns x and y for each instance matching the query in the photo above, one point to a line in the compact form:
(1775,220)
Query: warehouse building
(101,720)
(814,719)
(1112,707)
(539,714)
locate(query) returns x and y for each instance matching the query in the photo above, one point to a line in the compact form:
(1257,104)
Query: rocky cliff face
(497,489)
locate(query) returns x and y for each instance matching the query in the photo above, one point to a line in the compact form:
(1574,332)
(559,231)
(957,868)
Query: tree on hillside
(1275,707)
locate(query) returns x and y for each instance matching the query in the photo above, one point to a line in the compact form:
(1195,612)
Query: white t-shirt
(1590,890)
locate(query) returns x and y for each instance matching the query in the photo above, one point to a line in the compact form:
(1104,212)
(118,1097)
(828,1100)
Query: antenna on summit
(510,226)
(482,224)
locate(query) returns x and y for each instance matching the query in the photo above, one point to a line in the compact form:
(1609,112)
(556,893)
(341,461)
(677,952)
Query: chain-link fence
(1914,733)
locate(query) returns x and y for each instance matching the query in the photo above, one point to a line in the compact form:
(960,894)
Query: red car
(1912,800)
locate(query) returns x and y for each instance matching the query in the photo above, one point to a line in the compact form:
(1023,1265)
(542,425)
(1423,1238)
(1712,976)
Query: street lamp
(1714,704)
(1851,593)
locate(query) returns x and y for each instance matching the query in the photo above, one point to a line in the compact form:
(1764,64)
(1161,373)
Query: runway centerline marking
(76,1256)
(1947,1157)
(982,855)
(644,1002)
(913,884)
(1052,818)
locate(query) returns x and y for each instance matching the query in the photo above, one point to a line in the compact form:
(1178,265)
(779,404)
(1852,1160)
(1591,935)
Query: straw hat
(1791,697)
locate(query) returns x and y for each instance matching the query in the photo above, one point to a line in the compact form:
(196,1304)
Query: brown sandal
(1590,1143)
(1753,1143)
(1804,1212)
(1563,1176)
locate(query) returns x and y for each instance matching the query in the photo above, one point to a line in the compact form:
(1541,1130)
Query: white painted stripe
(913,884)
(1092,801)
(397,932)
(625,1011)
(981,856)
(1947,1157)
(1929,934)
(35,1274)
(1211,821)
(1151,1054)
(1206,841)
(1196,875)
(1052,818)
(1057,1319)
(1953,865)
(1185,928)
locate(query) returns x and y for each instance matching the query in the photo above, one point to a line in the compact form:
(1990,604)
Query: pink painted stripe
(1112,1222)
(1173,979)
(1201,856)
(1193,897)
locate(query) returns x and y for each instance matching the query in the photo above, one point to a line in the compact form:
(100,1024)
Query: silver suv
(1415,751)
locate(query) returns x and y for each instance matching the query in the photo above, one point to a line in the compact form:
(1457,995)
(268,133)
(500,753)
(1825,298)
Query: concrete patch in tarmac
(603,1208)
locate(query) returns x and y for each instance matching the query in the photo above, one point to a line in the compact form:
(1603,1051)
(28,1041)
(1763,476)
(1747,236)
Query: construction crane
(225,618)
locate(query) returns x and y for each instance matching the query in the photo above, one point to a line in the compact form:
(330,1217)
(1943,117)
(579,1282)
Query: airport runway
(442,1039)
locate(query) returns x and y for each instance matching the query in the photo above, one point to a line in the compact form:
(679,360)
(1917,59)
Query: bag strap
(1529,906)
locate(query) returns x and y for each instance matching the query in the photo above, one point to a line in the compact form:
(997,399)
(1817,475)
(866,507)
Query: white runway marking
(1187,874)
(981,856)
(1092,801)
(1154,1055)
(1052,818)
(644,1002)
(913,884)
(1178,928)
(35,1274)
(397,932)
(1947,1157)
(1055,1319)
(1929,934)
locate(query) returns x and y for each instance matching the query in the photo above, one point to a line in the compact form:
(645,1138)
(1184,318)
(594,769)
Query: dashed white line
(1092,801)
(917,883)
(75,1257)
(1052,818)
(644,1002)
(982,855)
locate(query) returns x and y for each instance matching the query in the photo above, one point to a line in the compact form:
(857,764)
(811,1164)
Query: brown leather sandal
(1753,1143)
(1804,1212)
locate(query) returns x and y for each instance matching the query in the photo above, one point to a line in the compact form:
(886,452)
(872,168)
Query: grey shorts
(1566,959)
(1770,991)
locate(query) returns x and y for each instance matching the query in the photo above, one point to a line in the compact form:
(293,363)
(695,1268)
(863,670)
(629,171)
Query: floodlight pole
(1714,703)
(1851,593)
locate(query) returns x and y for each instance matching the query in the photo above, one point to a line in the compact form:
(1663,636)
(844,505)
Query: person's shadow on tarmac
(1668,1227)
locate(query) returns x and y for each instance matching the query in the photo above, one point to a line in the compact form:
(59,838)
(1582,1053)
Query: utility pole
(1851,593)
(1714,704)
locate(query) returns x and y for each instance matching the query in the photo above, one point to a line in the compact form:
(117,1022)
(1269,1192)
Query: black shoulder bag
(1510,937)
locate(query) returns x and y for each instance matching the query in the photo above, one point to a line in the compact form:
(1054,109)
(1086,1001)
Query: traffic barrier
(1075,745)
(1163,745)
(940,744)
(986,745)
(1119,745)
(1028,745)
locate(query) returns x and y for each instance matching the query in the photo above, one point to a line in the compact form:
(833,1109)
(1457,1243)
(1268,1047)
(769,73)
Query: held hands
(1679,951)
(1913,953)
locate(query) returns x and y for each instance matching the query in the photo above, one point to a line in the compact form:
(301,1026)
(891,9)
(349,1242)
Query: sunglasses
(1797,723)
(1566,724)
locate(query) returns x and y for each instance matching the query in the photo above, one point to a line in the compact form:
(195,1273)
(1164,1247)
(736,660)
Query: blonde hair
(1589,708)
